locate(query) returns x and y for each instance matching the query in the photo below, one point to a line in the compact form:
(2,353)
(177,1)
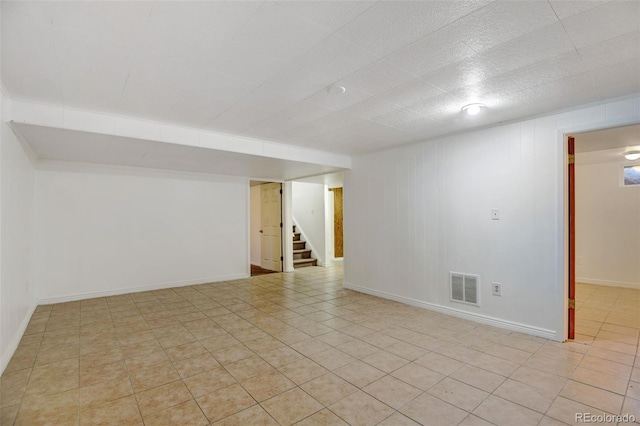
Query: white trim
(126,290)
(483,319)
(13,345)
(608,283)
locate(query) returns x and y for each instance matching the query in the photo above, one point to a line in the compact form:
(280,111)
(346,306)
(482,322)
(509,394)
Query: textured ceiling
(261,69)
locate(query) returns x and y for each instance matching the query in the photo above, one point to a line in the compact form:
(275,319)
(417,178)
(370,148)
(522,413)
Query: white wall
(106,230)
(308,203)
(415,213)
(17,182)
(607,226)
(254,226)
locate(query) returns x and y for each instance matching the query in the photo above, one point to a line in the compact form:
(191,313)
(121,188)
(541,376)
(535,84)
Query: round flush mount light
(632,155)
(336,90)
(473,109)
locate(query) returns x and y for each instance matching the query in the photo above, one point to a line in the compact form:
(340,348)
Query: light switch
(495,214)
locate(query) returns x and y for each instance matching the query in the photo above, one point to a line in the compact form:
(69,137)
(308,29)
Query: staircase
(301,254)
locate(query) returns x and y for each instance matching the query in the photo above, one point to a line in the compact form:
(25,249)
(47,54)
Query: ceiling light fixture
(336,90)
(473,109)
(632,155)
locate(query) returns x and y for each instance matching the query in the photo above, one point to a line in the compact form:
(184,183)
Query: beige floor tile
(631,406)
(429,410)
(473,420)
(549,421)
(195,365)
(592,396)
(459,394)
(104,392)
(525,395)
(633,391)
(359,373)
(154,376)
(255,415)
(231,354)
(281,356)
(478,378)
(614,356)
(213,379)
(291,406)
(303,371)
(502,412)
(102,373)
(360,408)
(397,419)
(185,351)
(494,364)
(120,411)
(385,361)
(12,386)
(393,392)
(162,397)
(541,380)
(91,356)
(309,347)
(8,414)
(267,385)
(565,410)
(335,338)
(332,359)
(322,418)
(224,402)
(248,367)
(418,376)
(457,352)
(439,363)
(357,348)
(186,413)
(328,389)
(603,381)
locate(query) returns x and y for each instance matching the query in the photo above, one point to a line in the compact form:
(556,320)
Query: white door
(271,220)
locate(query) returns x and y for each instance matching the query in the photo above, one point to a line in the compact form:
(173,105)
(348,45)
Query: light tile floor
(298,349)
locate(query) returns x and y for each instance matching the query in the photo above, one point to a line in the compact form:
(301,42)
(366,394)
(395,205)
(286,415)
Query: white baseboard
(15,341)
(483,319)
(609,283)
(116,292)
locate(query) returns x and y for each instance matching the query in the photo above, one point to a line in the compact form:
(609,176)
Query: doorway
(266,226)
(603,235)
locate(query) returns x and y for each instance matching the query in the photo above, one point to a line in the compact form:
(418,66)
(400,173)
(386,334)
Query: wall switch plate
(496,289)
(495,214)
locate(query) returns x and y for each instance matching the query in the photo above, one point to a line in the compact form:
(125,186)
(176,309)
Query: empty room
(319,212)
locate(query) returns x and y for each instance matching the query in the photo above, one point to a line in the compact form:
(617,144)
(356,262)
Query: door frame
(285,213)
(563,200)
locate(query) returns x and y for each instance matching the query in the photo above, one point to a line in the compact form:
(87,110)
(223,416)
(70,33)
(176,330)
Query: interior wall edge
(138,289)
(15,341)
(608,283)
(482,319)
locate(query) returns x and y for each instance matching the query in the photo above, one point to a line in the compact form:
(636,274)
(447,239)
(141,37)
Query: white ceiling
(261,69)
(607,145)
(625,137)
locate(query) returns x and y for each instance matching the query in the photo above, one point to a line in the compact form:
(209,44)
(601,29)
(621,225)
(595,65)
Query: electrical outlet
(496,289)
(495,214)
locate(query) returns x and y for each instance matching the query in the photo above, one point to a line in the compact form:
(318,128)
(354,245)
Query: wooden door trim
(572,236)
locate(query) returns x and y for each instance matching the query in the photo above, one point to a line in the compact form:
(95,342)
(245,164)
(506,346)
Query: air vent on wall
(464,288)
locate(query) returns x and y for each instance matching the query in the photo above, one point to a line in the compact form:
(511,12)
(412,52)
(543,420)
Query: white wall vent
(464,288)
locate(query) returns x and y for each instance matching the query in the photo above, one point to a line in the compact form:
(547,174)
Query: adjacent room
(319,212)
